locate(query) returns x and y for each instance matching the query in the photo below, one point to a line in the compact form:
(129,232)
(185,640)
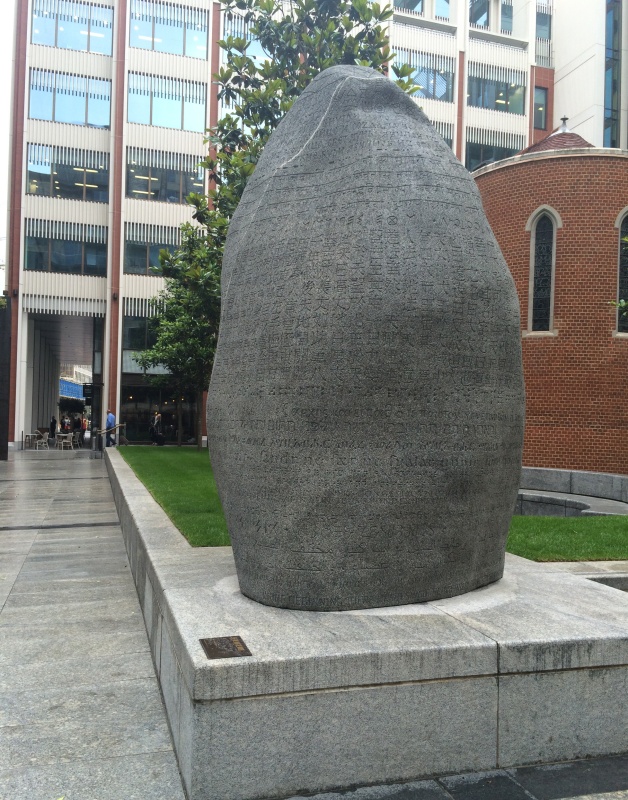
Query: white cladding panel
(52,293)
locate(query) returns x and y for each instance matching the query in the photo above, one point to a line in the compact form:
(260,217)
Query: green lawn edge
(181,480)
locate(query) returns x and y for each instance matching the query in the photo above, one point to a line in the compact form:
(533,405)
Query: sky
(7,32)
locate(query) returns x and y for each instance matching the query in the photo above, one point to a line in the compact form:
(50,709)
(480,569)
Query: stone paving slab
(81,714)
(150,776)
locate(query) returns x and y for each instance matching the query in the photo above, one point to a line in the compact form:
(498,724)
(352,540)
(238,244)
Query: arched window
(622,283)
(542,282)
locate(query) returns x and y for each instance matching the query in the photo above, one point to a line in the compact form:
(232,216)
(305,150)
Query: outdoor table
(30,439)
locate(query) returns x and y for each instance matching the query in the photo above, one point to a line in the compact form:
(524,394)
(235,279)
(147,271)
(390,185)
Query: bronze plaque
(225,647)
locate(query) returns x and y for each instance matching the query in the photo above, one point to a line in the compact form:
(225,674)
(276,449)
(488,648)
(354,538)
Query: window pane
(44,29)
(478,13)
(134,333)
(154,254)
(168,38)
(101,31)
(139,106)
(40,103)
(516,99)
(95,259)
(99,103)
(66,256)
(135,258)
(442,9)
(540,108)
(410,5)
(38,179)
(73,23)
(169,190)
(138,183)
(506,18)
(69,182)
(36,256)
(154,184)
(141,34)
(196,42)
(543,257)
(70,99)
(194,116)
(166,111)
(543,25)
(193,182)
(97,185)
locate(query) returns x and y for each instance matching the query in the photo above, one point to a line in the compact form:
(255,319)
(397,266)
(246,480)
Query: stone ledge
(330,700)
(590,484)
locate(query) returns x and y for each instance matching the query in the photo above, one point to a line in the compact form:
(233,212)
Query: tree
(298,41)
(187,323)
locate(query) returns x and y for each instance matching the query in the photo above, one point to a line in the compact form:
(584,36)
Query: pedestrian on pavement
(110,428)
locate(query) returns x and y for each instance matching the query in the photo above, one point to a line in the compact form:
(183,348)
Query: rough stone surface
(365,411)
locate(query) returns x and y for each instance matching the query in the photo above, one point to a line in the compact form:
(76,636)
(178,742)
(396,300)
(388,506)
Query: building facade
(111,99)
(561,219)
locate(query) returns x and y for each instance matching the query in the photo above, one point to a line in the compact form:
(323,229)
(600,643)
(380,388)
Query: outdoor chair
(42,443)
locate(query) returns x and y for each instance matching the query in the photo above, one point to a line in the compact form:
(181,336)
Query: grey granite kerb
(365,412)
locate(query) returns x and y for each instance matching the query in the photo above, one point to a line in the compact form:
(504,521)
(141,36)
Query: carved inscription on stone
(365,412)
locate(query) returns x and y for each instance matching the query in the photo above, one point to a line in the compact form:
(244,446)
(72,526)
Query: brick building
(559,211)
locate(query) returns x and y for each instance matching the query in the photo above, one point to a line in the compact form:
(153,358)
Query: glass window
(169,28)
(44,27)
(95,259)
(543,25)
(99,103)
(497,95)
(70,99)
(101,31)
(506,18)
(73,25)
(435,83)
(141,33)
(167,110)
(193,182)
(66,256)
(622,321)
(134,333)
(135,258)
(97,185)
(194,115)
(162,184)
(38,178)
(479,13)
(542,280)
(196,42)
(540,108)
(410,5)
(442,9)
(42,95)
(166,102)
(169,37)
(153,256)
(478,155)
(69,182)
(37,255)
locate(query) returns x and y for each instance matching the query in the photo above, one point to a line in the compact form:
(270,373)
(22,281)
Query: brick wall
(577,381)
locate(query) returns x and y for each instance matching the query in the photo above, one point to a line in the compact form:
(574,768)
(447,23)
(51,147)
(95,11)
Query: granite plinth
(332,700)
(367,452)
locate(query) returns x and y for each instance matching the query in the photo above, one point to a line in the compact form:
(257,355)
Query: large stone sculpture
(365,412)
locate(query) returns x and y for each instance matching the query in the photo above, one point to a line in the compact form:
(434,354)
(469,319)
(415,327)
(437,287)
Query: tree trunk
(199,419)
(179,424)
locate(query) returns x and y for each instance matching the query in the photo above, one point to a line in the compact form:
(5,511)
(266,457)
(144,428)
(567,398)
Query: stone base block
(531,669)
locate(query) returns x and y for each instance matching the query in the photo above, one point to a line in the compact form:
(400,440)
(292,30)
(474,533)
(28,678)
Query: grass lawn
(181,481)
(569,538)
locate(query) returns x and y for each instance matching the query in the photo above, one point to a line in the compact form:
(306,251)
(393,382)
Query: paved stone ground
(81,714)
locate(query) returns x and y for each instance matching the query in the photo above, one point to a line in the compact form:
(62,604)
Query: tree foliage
(298,39)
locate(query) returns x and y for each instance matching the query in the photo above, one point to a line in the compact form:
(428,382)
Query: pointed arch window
(542,225)
(622,283)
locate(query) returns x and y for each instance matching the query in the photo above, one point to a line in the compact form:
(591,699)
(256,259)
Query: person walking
(110,428)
